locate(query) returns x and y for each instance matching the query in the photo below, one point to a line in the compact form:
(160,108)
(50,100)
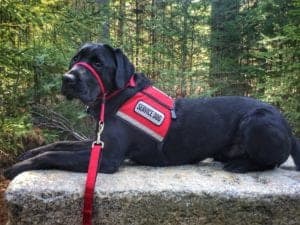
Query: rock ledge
(198,194)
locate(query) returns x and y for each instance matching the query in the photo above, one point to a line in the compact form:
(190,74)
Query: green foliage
(262,58)
(17,135)
(79,119)
(282,44)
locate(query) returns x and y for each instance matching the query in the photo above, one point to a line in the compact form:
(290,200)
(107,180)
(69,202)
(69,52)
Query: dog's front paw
(9,173)
(18,168)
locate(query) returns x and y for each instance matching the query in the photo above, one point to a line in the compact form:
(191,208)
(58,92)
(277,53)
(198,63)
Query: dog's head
(109,63)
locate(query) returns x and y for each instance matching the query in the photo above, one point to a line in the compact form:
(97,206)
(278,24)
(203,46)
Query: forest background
(190,48)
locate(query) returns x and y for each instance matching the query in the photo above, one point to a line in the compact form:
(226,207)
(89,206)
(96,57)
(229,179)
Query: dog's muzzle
(69,79)
(68,85)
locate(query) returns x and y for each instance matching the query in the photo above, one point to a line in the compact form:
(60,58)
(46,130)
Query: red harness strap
(94,73)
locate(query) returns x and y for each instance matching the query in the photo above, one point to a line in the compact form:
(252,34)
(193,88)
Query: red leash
(94,165)
(90,184)
(97,147)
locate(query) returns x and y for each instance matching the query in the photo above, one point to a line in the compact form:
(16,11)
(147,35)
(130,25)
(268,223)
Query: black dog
(245,134)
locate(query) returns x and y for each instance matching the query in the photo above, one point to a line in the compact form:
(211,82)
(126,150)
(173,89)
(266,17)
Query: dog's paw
(240,166)
(9,173)
(18,168)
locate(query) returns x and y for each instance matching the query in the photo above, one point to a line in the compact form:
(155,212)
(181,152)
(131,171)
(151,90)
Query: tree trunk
(137,32)
(184,41)
(121,23)
(225,47)
(105,35)
(153,40)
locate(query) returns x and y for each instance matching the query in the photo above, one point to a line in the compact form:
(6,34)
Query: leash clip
(100,131)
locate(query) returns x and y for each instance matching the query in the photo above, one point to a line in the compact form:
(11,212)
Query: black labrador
(243,133)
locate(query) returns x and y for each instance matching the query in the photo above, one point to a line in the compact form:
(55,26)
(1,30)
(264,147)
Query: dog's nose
(69,78)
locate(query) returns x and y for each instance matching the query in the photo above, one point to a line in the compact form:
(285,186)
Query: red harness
(149,110)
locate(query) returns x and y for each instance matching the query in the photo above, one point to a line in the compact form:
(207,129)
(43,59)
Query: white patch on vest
(140,126)
(150,113)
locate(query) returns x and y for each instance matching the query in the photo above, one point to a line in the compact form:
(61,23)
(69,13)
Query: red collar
(95,74)
(104,93)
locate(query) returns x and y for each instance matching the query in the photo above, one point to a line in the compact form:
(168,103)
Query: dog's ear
(124,70)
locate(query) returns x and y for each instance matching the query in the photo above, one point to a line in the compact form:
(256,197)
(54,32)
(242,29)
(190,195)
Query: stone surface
(196,194)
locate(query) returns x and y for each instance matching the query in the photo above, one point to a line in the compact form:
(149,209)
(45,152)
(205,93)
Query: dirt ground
(3,210)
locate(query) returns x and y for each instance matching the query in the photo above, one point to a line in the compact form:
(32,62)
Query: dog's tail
(296,152)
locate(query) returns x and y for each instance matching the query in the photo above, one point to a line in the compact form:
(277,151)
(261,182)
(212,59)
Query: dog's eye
(98,64)
(75,59)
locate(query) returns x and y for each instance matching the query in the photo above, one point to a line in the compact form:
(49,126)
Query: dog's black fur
(244,133)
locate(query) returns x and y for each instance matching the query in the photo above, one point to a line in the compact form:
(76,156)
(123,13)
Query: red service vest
(150,110)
